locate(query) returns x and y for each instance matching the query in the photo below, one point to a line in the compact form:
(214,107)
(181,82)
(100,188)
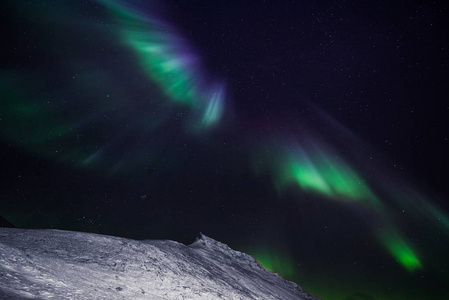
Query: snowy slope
(43,264)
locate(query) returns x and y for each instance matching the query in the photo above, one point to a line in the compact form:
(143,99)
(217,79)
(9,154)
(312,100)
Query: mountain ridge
(46,263)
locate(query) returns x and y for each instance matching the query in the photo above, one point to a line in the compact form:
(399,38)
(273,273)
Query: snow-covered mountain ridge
(44,264)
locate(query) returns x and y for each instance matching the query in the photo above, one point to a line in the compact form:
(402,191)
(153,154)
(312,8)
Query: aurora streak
(168,59)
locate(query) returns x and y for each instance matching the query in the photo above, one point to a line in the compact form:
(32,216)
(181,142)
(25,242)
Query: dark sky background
(90,139)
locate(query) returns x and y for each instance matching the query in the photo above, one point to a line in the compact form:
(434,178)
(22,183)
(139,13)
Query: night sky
(310,134)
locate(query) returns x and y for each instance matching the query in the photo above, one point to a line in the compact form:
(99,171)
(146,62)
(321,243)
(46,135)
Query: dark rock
(5,223)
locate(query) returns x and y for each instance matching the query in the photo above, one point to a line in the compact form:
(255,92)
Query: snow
(55,264)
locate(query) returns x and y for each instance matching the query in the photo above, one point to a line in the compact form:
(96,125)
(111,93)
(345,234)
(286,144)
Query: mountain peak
(204,240)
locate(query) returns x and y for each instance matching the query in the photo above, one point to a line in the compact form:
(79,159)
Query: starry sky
(310,134)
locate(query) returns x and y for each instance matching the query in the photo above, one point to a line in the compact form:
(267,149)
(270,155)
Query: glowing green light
(322,174)
(168,60)
(273,261)
(157,54)
(308,178)
(405,255)
(214,109)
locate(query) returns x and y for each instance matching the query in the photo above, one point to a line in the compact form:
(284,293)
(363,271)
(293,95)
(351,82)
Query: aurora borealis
(167,59)
(313,136)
